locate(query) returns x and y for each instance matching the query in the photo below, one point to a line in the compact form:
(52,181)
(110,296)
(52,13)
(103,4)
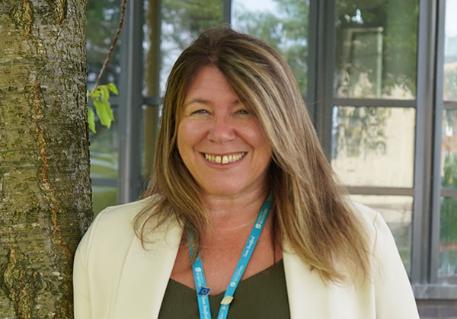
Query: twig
(113,42)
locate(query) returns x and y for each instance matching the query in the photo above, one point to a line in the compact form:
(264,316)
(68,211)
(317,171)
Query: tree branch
(113,42)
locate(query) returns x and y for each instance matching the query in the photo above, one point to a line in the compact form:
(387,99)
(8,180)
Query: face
(220,141)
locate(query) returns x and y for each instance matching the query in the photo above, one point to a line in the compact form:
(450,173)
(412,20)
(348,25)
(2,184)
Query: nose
(221,130)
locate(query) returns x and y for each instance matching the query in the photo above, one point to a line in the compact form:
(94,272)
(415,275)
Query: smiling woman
(221,143)
(243,217)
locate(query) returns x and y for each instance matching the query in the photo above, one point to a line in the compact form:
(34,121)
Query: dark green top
(262,295)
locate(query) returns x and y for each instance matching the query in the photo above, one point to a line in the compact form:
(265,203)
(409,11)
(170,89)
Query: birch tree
(45,195)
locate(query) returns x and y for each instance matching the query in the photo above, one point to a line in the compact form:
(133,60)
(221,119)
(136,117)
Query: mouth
(224,159)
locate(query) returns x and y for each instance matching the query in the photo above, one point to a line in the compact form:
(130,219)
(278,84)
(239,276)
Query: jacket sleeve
(81,291)
(394,296)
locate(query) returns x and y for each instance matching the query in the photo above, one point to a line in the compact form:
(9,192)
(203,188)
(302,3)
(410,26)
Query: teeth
(224,159)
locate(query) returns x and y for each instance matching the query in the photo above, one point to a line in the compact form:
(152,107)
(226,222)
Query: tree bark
(45,194)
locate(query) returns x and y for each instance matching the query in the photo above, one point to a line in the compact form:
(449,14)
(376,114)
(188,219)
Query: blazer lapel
(146,273)
(308,297)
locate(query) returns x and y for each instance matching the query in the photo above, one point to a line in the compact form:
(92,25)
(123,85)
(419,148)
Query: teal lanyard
(199,276)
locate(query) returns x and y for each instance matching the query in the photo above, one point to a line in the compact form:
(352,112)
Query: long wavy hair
(310,210)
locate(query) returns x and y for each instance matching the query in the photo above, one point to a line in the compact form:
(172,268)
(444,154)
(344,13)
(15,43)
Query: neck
(234,211)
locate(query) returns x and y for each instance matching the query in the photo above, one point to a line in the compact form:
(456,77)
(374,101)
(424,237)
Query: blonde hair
(311,213)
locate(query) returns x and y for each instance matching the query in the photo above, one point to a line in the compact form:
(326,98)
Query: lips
(224,159)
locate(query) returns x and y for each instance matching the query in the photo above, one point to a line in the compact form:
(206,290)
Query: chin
(223,190)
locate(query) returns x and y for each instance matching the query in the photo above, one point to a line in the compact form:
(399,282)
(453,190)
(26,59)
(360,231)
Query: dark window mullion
(422,216)
(104,182)
(380,191)
(227,11)
(364,102)
(437,141)
(448,192)
(131,84)
(450,105)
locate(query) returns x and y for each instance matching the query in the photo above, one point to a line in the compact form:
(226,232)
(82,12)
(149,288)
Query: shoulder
(106,253)
(118,219)
(393,294)
(120,214)
(382,246)
(372,221)
(386,263)
(112,229)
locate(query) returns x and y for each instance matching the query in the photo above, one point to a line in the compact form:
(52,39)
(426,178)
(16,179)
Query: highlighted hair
(311,212)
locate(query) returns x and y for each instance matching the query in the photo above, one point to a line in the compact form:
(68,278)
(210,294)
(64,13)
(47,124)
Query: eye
(243,112)
(200,111)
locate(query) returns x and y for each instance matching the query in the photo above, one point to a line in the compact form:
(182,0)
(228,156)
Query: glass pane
(102,197)
(373,146)
(182,21)
(104,151)
(449,149)
(450,52)
(150,130)
(376,48)
(397,213)
(282,24)
(102,23)
(104,164)
(448,240)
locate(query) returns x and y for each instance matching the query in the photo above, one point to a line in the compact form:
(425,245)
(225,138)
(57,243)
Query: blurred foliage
(448,231)
(286,30)
(398,20)
(450,85)
(449,178)
(184,20)
(102,22)
(394,23)
(450,121)
(103,197)
(449,205)
(360,130)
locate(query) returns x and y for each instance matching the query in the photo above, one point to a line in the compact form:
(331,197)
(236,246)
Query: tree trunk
(45,195)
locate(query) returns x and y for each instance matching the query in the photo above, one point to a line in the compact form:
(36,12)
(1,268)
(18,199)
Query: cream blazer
(115,278)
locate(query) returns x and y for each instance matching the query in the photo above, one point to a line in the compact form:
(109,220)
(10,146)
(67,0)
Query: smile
(224,159)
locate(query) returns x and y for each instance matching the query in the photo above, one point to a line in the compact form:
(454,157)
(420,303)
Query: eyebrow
(206,102)
(197,100)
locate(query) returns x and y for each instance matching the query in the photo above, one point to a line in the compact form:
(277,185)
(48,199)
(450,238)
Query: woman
(239,172)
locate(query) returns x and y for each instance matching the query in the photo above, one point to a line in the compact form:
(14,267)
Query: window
(447,268)
(380,81)
(373,113)
(102,19)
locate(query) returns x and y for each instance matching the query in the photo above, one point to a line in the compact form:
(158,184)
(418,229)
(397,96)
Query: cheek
(189,134)
(182,140)
(255,134)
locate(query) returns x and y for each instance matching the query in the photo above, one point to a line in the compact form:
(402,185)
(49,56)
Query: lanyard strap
(199,276)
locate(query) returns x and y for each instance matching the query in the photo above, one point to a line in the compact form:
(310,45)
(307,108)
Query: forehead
(209,83)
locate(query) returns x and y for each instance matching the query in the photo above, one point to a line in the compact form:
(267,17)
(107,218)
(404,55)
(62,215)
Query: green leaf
(104,112)
(94,94)
(100,98)
(104,92)
(91,120)
(113,88)
(110,112)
